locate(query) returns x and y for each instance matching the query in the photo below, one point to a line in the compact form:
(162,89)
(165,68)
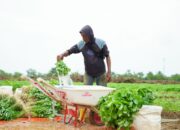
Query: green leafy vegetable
(118,109)
(42,106)
(62,68)
(9,108)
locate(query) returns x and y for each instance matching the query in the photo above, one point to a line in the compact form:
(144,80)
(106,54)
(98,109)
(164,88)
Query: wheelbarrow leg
(72,113)
(68,112)
(76,115)
(65,114)
(83,115)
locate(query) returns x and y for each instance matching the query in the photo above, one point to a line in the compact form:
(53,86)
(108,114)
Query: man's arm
(108,75)
(73,49)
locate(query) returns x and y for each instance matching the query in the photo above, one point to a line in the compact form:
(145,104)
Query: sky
(142,35)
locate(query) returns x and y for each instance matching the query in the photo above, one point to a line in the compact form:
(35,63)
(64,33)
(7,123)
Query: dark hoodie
(94,52)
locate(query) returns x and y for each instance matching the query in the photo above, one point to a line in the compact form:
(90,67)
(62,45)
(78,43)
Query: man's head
(85,37)
(87,33)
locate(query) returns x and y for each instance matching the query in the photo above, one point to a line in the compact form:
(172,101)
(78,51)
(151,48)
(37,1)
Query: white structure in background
(148,118)
(6,90)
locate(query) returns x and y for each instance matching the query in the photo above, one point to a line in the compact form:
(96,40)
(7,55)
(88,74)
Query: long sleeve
(73,49)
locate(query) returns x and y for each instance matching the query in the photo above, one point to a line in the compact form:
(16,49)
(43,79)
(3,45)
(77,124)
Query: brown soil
(170,121)
(53,125)
(46,125)
(170,115)
(171,125)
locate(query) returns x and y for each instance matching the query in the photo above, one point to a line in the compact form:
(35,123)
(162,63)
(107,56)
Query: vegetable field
(167,95)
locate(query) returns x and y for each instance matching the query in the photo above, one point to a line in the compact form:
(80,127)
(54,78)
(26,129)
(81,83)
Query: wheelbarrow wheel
(95,119)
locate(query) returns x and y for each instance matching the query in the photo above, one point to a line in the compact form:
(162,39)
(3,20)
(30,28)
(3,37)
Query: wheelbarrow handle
(27,78)
(41,88)
(60,93)
(46,84)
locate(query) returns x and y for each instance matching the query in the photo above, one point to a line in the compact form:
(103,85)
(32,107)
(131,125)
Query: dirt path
(48,125)
(54,125)
(170,121)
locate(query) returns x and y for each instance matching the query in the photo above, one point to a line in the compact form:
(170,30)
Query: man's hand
(60,57)
(108,76)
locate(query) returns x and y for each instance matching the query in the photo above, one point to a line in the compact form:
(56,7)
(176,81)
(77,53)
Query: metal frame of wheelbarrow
(70,109)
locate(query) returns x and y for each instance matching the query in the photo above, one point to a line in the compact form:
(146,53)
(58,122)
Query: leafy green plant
(9,108)
(62,68)
(42,106)
(119,108)
(53,82)
(147,95)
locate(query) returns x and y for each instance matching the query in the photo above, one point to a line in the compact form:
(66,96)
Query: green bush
(9,108)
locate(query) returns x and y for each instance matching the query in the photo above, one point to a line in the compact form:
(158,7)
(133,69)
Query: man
(94,51)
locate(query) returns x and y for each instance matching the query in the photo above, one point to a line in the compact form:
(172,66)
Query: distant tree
(52,73)
(32,73)
(2,72)
(17,75)
(4,75)
(140,75)
(113,74)
(175,77)
(159,76)
(128,74)
(149,76)
(41,75)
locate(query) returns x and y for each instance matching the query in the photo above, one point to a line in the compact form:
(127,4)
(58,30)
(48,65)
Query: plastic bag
(148,118)
(65,81)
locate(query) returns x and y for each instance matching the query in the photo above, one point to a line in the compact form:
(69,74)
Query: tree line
(127,77)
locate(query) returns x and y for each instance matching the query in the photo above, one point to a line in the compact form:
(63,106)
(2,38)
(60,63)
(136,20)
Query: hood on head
(88,31)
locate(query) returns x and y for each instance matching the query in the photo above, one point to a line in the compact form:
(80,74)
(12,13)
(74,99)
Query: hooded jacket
(93,52)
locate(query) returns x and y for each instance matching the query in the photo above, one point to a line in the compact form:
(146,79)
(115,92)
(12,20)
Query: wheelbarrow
(74,98)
